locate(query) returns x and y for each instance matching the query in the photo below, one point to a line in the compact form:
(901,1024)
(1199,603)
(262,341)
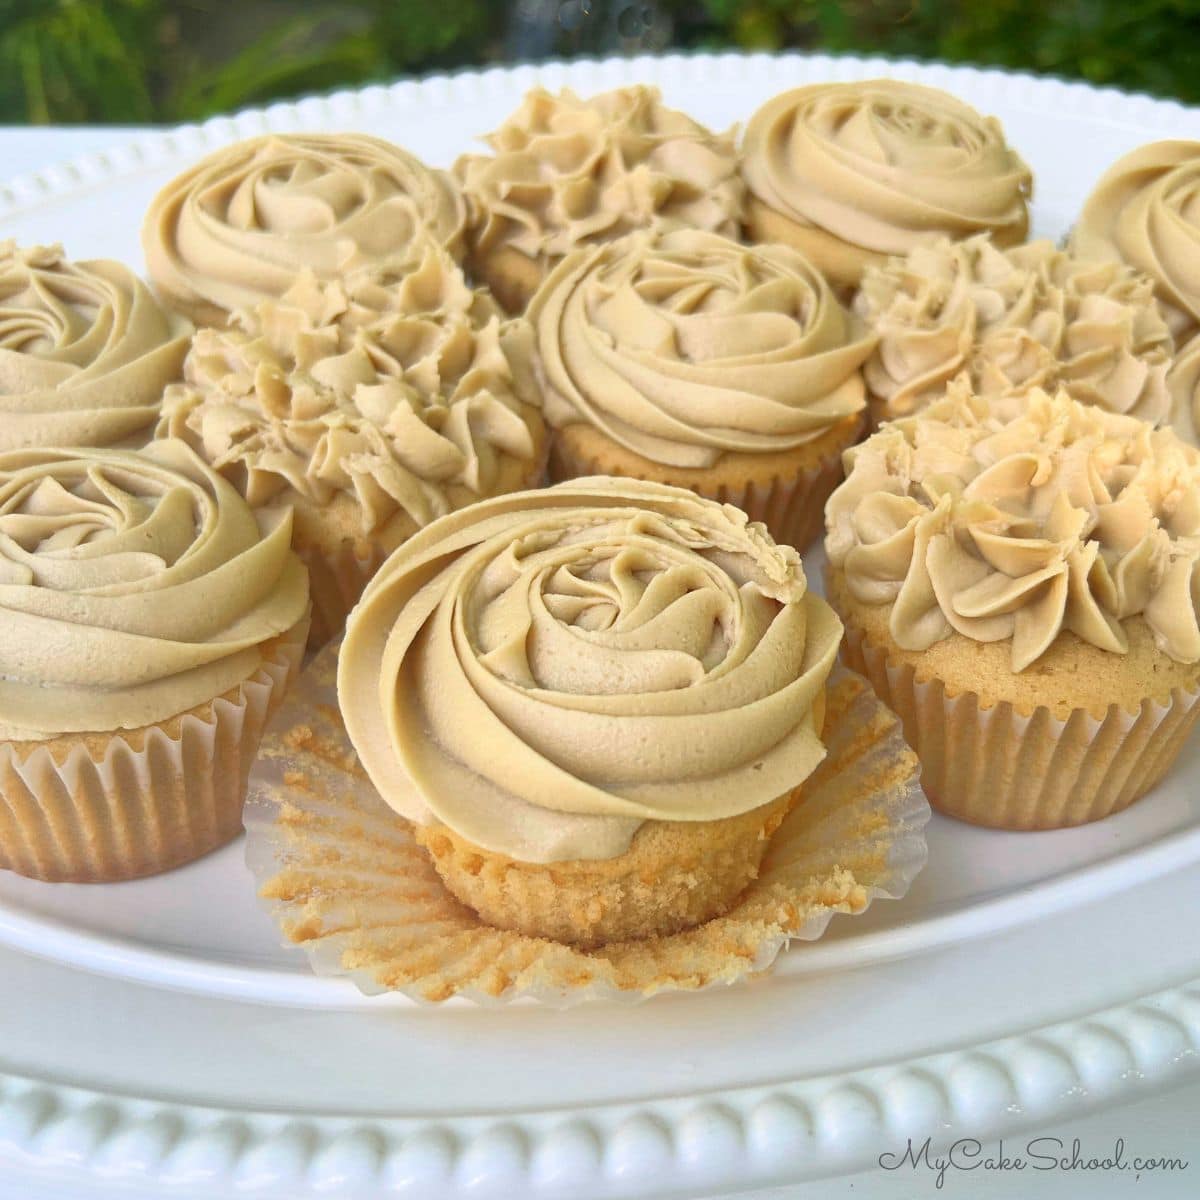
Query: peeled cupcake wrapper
(148,800)
(792,509)
(997,767)
(342,876)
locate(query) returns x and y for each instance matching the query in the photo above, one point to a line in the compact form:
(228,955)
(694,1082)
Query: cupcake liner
(137,802)
(336,580)
(995,766)
(343,877)
(792,509)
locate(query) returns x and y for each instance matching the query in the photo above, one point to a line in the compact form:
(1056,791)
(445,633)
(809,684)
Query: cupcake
(370,407)
(683,357)
(150,625)
(566,173)
(1023,592)
(1029,316)
(85,351)
(595,704)
(1143,212)
(239,226)
(850,173)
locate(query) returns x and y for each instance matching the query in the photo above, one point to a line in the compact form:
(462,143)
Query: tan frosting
(566,172)
(1029,316)
(683,346)
(545,671)
(881,164)
(85,350)
(133,586)
(1064,518)
(388,390)
(1146,211)
(1183,382)
(240,225)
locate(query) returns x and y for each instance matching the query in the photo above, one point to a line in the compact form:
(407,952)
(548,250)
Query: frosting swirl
(239,226)
(1064,518)
(881,164)
(392,391)
(545,671)
(133,586)
(1029,316)
(85,350)
(566,172)
(1146,211)
(683,346)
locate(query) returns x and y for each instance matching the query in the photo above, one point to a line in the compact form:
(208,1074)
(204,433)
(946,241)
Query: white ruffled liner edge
(808,846)
(997,767)
(130,813)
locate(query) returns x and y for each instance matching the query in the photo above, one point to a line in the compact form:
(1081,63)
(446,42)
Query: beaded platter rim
(743,1137)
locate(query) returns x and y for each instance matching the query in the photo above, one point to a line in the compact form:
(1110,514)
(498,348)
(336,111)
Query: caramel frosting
(1029,316)
(1146,211)
(133,586)
(1064,518)
(566,172)
(239,226)
(387,389)
(683,346)
(85,350)
(1183,382)
(545,671)
(881,164)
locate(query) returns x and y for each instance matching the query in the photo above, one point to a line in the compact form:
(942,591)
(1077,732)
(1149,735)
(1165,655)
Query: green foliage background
(170,60)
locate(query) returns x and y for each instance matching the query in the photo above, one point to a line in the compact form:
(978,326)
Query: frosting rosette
(881,164)
(1146,211)
(85,350)
(239,226)
(404,393)
(684,346)
(1029,316)
(1063,519)
(566,172)
(133,586)
(545,671)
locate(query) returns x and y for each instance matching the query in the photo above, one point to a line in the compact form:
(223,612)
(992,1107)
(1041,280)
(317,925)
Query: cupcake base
(675,875)
(840,262)
(344,876)
(97,808)
(786,491)
(1016,764)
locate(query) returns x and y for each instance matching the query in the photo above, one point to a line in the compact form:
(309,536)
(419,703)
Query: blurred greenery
(170,60)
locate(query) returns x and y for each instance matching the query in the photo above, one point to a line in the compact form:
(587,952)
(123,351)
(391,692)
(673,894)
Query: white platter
(677,1095)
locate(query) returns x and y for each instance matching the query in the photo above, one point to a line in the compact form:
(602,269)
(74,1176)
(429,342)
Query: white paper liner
(342,876)
(134,803)
(998,767)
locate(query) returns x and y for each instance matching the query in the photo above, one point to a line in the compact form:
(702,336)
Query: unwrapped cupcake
(1029,316)
(566,172)
(684,357)
(850,173)
(596,703)
(1144,212)
(1023,591)
(85,351)
(149,626)
(239,226)
(369,407)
